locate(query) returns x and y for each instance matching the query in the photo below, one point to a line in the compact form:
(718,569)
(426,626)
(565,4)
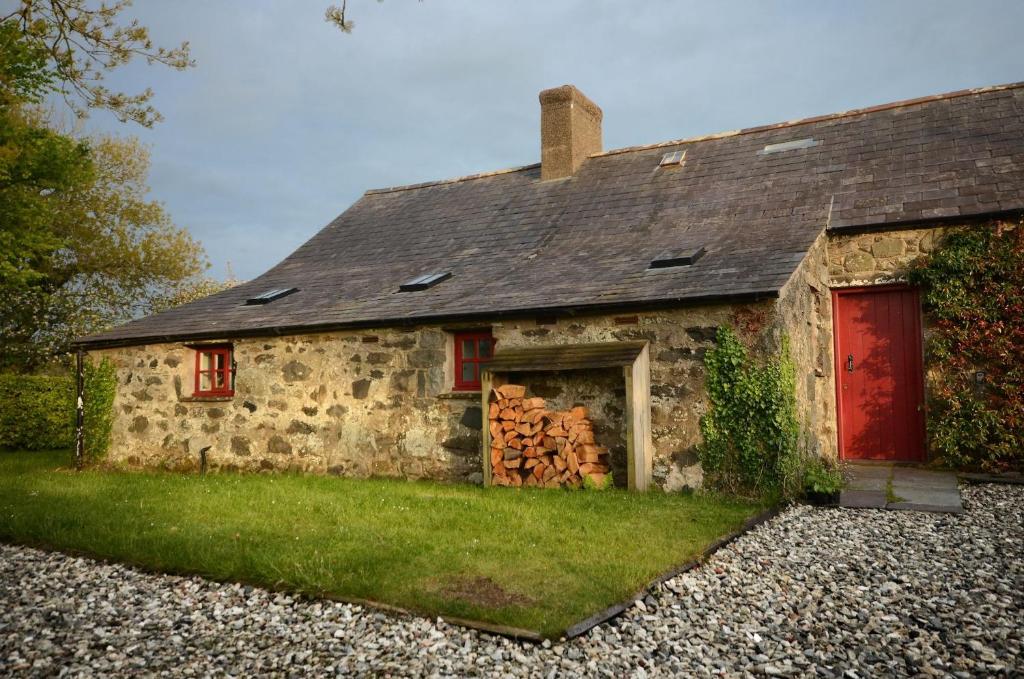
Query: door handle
(849,363)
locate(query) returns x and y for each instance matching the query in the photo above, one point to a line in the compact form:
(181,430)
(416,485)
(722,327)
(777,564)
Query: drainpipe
(80,410)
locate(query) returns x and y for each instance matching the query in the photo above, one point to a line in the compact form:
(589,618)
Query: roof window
(425,281)
(788,146)
(271,295)
(686,257)
(672,158)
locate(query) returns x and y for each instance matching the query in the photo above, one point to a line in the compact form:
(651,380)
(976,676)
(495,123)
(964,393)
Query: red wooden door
(879,381)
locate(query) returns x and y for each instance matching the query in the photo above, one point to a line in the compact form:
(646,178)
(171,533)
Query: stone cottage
(364,352)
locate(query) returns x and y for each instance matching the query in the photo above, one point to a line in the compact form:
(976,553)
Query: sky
(285,121)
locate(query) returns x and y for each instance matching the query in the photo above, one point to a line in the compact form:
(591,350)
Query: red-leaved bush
(973,293)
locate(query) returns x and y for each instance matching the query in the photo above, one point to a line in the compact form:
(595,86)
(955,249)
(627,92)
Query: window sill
(205,399)
(461,395)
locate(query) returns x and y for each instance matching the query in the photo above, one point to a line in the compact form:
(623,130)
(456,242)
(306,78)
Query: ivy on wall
(751,431)
(973,294)
(100,387)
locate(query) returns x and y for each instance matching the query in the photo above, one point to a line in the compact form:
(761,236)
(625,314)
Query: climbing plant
(100,385)
(751,431)
(973,295)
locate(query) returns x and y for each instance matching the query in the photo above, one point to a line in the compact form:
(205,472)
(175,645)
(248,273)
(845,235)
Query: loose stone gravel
(814,592)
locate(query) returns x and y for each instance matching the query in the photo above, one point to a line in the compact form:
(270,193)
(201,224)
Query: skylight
(788,146)
(672,158)
(270,295)
(684,257)
(425,281)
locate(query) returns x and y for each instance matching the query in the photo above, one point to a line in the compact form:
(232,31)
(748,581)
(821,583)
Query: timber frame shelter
(632,357)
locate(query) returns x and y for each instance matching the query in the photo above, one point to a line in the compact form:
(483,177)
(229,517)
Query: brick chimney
(570,130)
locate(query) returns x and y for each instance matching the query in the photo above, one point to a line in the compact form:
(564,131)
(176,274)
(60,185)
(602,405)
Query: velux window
(215,371)
(473,351)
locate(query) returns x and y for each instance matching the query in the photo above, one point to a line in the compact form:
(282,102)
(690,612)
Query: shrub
(973,294)
(751,433)
(821,478)
(37,411)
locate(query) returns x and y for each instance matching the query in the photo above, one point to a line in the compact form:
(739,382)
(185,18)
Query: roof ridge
(452,180)
(816,119)
(717,135)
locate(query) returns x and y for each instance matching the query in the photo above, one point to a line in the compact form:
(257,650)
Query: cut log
(517,480)
(560,464)
(511,390)
(496,456)
(531,451)
(508,425)
(524,428)
(496,431)
(513,464)
(530,463)
(549,473)
(492,411)
(510,435)
(538,469)
(532,403)
(507,414)
(585,436)
(511,453)
(515,443)
(579,413)
(573,462)
(557,431)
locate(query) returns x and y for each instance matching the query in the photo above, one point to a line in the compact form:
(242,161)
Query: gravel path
(814,592)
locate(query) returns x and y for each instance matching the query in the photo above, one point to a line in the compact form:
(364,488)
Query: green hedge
(37,412)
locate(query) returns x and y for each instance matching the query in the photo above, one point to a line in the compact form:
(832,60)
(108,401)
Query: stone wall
(878,257)
(354,403)
(378,402)
(805,313)
(678,340)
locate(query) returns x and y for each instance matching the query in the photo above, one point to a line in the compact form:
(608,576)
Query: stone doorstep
(922,490)
(862,499)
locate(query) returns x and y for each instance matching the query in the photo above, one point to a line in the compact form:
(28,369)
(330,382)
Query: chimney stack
(570,130)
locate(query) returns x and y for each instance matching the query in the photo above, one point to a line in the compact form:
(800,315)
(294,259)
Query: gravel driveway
(814,592)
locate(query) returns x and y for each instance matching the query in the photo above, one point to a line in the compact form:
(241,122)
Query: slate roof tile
(516,244)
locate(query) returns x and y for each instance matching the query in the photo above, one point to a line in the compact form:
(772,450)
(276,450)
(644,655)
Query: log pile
(534,446)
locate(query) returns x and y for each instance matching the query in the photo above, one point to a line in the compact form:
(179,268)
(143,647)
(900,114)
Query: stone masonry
(379,402)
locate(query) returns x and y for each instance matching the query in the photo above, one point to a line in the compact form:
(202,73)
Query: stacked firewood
(534,446)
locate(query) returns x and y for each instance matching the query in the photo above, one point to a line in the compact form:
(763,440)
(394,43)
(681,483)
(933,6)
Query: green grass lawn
(537,559)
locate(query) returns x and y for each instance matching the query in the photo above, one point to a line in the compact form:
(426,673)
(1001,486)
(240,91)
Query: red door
(879,383)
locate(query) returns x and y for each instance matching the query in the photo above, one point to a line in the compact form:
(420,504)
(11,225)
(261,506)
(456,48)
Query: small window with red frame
(473,351)
(215,371)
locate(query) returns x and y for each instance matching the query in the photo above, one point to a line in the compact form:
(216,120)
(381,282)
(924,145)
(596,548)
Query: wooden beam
(488,381)
(639,444)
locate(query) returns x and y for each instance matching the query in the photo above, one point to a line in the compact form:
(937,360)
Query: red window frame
(462,359)
(227,372)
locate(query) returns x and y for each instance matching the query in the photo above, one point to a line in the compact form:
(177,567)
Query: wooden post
(639,445)
(485,406)
(80,410)
(488,381)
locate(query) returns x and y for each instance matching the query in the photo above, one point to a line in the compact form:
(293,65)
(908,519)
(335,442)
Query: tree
(81,246)
(81,42)
(118,256)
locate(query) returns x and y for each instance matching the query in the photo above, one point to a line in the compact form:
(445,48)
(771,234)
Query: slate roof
(515,244)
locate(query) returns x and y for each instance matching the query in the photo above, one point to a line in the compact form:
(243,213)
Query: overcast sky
(285,121)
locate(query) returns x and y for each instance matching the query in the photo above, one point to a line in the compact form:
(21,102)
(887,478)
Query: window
(215,371)
(473,351)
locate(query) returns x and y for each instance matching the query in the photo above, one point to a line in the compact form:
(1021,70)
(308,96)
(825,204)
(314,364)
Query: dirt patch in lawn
(482,591)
